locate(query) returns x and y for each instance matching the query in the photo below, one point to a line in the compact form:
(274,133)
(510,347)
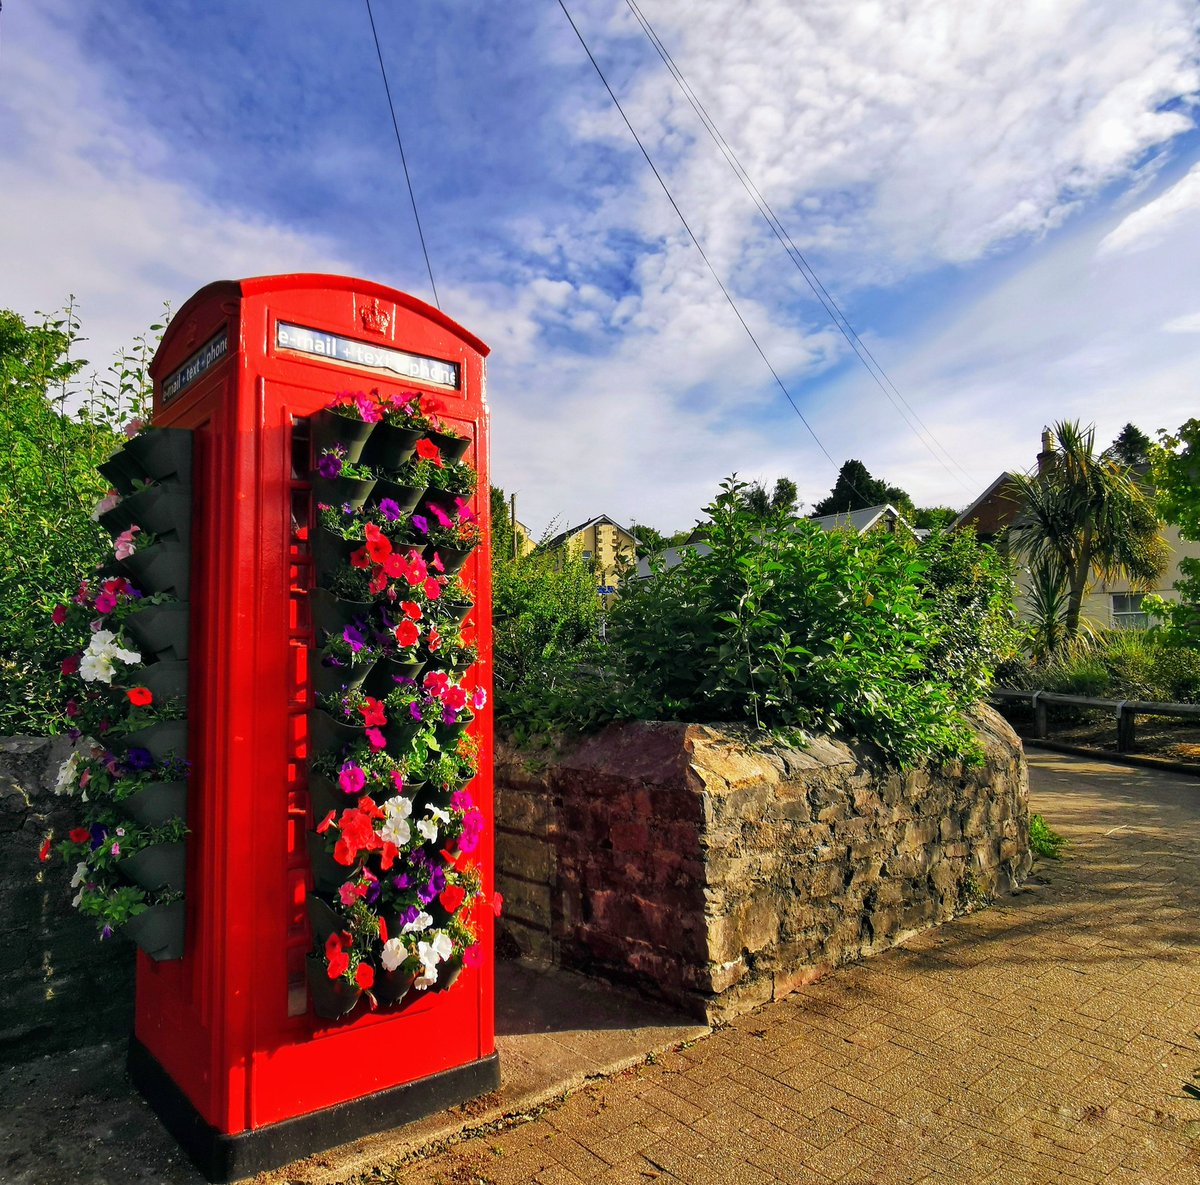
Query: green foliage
(932,518)
(48,489)
(784,626)
(1176,468)
(1117,664)
(546,615)
(969,588)
(855,489)
(1043,840)
(1131,447)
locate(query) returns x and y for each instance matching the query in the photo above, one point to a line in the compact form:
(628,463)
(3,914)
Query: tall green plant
(1176,468)
(781,625)
(53,432)
(1086,515)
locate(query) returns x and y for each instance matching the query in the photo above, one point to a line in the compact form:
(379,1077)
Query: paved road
(1043,1040)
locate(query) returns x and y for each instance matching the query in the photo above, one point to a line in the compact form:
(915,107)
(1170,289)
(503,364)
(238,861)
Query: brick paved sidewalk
(1043,1040)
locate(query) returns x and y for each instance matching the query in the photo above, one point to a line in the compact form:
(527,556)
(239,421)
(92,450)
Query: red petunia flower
(140,697)
(70,664)
(59,615)
(428,451)
(364,976)
(79,835)
(451,897)
(379,548)
(44,850)
(411,610)
(372,712)
(337,964)
(407,634)
(359,558)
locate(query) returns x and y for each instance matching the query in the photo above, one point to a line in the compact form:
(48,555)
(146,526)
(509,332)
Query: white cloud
(1155,221)
(893,138)
(1188,323)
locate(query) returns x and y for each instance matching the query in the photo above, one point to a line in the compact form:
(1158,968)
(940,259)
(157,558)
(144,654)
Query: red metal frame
(228,1023)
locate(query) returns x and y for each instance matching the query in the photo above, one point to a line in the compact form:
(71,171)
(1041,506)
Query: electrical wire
(400,144)
(836,314)
(695,241)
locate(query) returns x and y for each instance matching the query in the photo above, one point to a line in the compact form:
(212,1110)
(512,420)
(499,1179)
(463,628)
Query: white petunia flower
(394,953)
(396,829)
(81,874)
(68,773)
(421,922)
(103,652)
(428,829)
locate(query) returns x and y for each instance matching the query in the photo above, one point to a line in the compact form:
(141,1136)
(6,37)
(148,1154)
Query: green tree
(856,489)
(1084,515)
(931,518)
(785,497)
(48,489)
(648,539)
(1176,468)
(1131,448)
(783,625)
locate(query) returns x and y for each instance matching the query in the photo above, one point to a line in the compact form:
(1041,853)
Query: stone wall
(717,877)
(59,987)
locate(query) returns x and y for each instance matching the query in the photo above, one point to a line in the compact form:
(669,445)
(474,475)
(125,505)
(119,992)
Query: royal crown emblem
(374,319)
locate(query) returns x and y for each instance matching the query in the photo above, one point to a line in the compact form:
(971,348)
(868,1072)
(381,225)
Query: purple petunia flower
(353,638)
(390,509)
(329,466)
(401,881)
(414,710)
(137,759)
(421,523)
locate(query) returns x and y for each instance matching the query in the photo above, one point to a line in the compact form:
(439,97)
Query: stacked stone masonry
(60,987)
(718,877)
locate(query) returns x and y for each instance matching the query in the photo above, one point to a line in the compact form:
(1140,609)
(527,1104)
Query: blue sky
(1004,197)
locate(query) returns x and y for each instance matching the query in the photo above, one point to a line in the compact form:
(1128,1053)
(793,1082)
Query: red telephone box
(227,1047)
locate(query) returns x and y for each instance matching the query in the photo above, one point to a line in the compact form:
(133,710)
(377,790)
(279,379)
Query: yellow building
(603,543)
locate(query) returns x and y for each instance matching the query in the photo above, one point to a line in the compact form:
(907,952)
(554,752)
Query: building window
(587,556)
(1127,612)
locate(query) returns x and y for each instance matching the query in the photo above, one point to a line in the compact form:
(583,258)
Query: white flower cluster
(68,774)
(428,826)
(97,664)
(431,954)
(396,828)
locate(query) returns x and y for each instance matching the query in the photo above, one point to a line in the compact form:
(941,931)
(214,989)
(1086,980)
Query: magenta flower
(351,778)
(376,740)
(390,509)
(421,523)
(478,698)
(105,603)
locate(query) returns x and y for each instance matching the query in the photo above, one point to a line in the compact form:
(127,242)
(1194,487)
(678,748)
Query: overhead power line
(400,144)
(695,241)
(836,314)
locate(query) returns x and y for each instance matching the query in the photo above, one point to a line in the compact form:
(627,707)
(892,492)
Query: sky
(1002,197)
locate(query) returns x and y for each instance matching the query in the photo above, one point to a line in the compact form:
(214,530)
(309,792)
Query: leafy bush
(1117,664)
(784,626)
(48,489)
(546,619)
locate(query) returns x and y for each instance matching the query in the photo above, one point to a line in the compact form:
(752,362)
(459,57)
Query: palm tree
(1084,515)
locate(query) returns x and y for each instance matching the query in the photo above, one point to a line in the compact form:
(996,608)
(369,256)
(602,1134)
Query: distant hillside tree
(855,489)
(930,518)
(1131,448)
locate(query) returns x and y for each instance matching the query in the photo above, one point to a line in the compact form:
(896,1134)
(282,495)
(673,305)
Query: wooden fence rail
(1126,711)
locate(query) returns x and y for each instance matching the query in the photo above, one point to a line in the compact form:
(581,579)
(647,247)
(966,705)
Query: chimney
(1047,453)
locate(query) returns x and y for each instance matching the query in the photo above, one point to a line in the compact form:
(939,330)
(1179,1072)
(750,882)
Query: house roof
(563,536)
(670,556)
(860,520)
(993,491)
